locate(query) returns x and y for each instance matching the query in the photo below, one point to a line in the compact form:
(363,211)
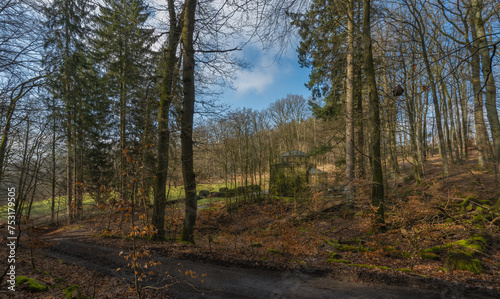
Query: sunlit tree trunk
(350,155)
(375,153)
(488,75)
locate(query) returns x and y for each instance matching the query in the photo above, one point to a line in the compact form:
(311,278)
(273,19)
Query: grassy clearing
(177,192)
(42,208)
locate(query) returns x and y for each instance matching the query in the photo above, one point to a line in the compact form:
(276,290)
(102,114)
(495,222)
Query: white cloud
(260,77)
(256,80)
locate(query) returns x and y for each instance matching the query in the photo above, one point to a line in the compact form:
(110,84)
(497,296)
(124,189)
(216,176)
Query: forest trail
(228,282)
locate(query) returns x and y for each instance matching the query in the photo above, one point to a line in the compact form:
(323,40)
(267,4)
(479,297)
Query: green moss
(472,245)
(331,243)
(342,261)
(334,255)
(429,256)
(344,247)
(73,292)
(463,205)
(496,207)
(256,245)
(32,284)
(371,266)
(461,261)
(478,218)
(435,249)
(461,254)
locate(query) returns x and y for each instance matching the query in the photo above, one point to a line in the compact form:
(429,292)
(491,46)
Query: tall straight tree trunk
(166,97)
(377,174)
(360,140)
(69,139)
(349,145)
(482,141)
(486,67)
(53,170)
(463,106)
(187,123)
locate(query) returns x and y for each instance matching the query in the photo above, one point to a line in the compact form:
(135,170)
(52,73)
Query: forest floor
(442,236)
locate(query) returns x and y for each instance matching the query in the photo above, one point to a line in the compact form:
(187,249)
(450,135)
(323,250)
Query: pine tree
(64,43)
(122,45)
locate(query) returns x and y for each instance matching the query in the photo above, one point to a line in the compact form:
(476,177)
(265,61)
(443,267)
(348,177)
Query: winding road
(233,282)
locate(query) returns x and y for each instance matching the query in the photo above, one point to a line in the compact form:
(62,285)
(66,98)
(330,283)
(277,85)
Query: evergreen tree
(122,45)
(64,43)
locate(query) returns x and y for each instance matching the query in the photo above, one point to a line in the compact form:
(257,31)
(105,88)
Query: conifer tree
(122,45)
(64,43)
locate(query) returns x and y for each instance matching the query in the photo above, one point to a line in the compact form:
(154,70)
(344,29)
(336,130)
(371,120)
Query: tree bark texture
(166,97)
(486,67)
(187,123)
(375,152)
(349,147)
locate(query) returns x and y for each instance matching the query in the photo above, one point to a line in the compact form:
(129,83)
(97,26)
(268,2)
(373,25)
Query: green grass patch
(42,208)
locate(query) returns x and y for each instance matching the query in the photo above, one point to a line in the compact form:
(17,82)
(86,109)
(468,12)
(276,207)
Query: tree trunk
(360,140)
(377,174)
(187,123)
(349,147)
(166,97)
(486,67)
(69,139)
(482,141)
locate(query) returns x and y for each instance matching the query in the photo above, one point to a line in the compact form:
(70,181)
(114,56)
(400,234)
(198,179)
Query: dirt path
(232,282)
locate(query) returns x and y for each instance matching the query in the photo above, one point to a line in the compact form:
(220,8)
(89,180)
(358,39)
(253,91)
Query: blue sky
(268,80)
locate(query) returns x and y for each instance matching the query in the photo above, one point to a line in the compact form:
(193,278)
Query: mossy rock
(73,292)
(31,284)
(204,193)
(457,260)
(472,245)
(461,254)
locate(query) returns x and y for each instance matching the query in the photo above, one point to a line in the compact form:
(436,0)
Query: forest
(123,173)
